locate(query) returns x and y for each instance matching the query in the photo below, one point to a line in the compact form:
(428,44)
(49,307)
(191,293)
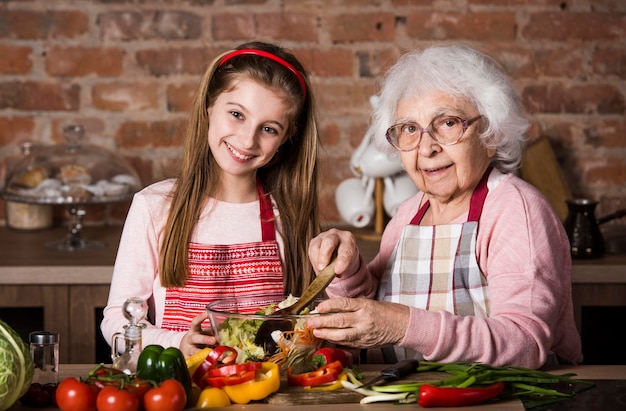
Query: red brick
(14,130)
(609,171)
(487,26)
(327,63)
(171,61)
(233,26)
(15,59)
(48,24)
(149,24)
(568,26)
(520,62)
(125,97)
(610,62)
(361,27)
(180,96)
(609,133)
(249,26)
(373,64)
(588,99)
(342,99)
(30,95)
(81,61)
(137,134)
(330,134)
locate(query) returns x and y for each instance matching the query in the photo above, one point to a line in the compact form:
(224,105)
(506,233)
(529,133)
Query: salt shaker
(44,349)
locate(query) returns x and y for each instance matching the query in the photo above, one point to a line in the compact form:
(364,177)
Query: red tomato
(139,387)
(169,396)
(73,395)
(113,399)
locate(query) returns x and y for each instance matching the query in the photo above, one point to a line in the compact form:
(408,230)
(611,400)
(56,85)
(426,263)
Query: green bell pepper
(158,364)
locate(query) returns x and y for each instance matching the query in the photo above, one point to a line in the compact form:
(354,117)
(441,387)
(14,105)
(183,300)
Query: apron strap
(267,214)
(478,197)
(476,202)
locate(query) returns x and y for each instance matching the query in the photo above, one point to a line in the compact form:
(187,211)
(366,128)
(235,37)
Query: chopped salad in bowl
(236,322)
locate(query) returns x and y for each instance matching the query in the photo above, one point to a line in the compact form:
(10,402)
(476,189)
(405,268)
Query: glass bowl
(236,322)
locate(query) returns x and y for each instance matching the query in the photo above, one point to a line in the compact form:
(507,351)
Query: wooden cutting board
(541,169)
(299,396)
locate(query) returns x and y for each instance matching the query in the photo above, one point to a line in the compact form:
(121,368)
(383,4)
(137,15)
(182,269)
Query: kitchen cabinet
(70,287)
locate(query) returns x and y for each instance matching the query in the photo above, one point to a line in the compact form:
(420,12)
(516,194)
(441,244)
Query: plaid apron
(434,268)
(225,271)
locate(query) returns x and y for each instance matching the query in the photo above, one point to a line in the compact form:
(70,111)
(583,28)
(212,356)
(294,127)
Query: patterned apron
(434,268)
(225,271)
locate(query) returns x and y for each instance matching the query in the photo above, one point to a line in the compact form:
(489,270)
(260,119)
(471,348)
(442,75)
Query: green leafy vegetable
(16,366)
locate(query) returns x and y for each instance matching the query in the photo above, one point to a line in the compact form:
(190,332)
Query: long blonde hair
(291,177)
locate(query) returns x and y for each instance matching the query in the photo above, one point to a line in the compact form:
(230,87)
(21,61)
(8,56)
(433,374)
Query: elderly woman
(476,266)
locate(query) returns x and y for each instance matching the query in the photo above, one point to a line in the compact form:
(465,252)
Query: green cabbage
(16,366)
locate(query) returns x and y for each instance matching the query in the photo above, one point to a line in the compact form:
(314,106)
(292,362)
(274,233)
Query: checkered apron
(224,271)
(434,267)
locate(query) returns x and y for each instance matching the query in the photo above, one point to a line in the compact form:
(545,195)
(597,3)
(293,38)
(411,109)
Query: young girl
(247,186)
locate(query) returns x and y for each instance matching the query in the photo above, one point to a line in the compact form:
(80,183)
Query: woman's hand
(322,248)
(360,322)
(197,338)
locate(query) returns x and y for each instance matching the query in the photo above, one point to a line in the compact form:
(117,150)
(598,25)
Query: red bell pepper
(432,396)
(232,374)
(327,373)
(221,354)
(328,355)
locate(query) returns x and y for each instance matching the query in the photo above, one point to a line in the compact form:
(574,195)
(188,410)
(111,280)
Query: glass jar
(44,349)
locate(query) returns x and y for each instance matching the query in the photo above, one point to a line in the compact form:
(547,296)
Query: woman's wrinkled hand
(197,338)
(359,322)
(323,247)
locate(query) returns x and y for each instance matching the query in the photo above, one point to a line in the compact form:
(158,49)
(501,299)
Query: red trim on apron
(225,271)
(476,203)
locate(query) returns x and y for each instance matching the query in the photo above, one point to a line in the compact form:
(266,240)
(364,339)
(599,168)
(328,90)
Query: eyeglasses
(447,130)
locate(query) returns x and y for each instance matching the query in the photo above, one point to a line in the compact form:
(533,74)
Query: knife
(399,370)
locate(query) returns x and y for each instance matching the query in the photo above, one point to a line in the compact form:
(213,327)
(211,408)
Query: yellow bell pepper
(335,385)
(195,360)
(213,397)
(265,382)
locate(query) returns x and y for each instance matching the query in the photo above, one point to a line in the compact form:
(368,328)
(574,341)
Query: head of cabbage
(16,366)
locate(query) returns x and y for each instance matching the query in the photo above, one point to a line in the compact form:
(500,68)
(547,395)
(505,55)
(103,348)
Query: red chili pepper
(327,355)
(221,354)
(327,373)
(431,396)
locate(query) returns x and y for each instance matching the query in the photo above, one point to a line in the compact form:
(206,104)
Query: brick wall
(127,71)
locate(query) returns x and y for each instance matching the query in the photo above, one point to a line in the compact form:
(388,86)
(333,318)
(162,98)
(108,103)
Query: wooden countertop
(25,259)
(584,372)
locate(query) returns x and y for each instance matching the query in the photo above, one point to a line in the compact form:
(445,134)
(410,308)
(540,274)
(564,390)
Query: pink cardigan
(523,251)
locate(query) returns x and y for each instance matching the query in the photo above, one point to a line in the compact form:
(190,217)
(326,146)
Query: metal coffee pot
(583,229)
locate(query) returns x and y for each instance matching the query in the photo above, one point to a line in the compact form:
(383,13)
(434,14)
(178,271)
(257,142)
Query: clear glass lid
(72,173)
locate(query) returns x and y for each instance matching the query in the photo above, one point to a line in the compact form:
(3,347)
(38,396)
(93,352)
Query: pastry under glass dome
(72,174)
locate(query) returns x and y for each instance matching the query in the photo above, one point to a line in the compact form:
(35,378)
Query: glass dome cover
(71,173)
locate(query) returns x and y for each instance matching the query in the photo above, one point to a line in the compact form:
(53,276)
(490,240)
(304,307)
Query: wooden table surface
(585,372)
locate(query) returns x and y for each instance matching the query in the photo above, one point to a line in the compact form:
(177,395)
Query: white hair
(462,72)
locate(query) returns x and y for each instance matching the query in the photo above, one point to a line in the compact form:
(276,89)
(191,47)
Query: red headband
(271,57)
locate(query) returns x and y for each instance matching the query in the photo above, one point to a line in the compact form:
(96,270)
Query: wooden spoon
(312,291)
(319,284)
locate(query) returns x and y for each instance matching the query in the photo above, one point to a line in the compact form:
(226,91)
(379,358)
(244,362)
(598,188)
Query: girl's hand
(360,322)
(197,338)
(322,248)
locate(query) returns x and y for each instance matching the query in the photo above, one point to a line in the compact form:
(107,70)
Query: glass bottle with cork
(135,310)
